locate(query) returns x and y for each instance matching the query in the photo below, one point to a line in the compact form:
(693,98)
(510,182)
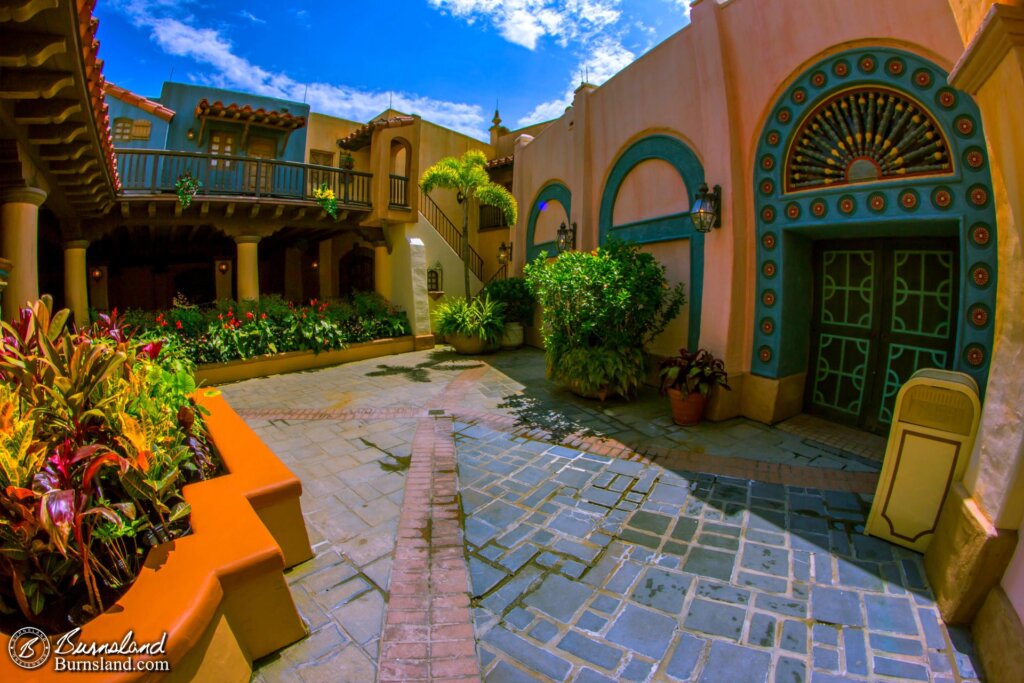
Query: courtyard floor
(473,521)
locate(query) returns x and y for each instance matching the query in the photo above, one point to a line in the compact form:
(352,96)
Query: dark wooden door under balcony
(260,148)
(882,310)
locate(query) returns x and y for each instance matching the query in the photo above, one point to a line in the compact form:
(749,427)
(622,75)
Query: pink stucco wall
(711,85)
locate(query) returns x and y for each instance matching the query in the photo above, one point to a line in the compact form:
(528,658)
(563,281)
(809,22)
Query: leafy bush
(602,307)
(517,297)
(98,434)
(689,372)
(480,317)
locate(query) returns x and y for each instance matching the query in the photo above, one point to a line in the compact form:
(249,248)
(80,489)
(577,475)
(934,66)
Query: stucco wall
(158,131)
(550,219)
(323,132)
(436,250)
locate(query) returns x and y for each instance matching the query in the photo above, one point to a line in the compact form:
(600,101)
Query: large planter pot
(686,410)
(217,598)
(601,394)
(468,346)
(512,336)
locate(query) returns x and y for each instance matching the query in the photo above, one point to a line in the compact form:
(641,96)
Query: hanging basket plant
(325,199)
(187,187)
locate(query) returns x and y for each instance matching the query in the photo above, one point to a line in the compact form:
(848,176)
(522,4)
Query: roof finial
(497,117)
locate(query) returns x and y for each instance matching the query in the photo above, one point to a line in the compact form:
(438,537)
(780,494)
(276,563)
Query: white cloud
(177,35)
(605,58)
(525,22)
(246,14)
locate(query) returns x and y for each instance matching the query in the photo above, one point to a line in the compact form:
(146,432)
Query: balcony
(399,198)
(153,172)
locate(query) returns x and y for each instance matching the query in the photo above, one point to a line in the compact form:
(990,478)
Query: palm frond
(495,195)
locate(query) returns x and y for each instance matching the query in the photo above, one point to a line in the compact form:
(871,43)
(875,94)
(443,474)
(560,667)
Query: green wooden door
(882,310)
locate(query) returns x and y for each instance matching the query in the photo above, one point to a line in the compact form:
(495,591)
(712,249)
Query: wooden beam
(23,10)
(24,84)
(152,209)
(58,134)
(279,211)
(67,167)
(63,152)
(254,211)
(229,210)
(30,49)
(204,209)
(126,209)
(177,209)
(45,111)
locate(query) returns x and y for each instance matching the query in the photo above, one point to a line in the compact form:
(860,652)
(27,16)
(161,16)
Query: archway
(355,271)
(875,225)
(552,192)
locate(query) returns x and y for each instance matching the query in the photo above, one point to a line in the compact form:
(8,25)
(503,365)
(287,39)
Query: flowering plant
(324,197)
(187,187)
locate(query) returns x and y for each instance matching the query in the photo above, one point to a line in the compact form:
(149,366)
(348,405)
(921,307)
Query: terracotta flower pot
(467,346)
(686,410)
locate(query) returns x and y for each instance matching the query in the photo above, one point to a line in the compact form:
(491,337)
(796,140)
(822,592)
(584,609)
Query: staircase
(444,226)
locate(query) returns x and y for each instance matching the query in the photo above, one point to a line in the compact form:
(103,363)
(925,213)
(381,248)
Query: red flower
(178,324)
(220,316)
(263,316)
(249,315)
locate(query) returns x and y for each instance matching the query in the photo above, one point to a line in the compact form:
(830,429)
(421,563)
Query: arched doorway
(876,241)
(355,271)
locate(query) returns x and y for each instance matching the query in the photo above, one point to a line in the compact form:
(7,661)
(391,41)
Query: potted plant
(517,297)
(688,379)
(325,199)
(346,161)
(187,186)
(471,326)
(600,309)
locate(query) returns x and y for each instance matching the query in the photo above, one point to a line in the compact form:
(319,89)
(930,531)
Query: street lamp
(707,209)
(504,253)
(566,238)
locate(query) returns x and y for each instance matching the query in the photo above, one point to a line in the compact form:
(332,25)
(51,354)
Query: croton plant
(98,435)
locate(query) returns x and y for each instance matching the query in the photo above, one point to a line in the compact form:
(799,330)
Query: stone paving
(650,565)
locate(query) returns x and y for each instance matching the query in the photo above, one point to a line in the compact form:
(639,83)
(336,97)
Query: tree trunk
(465,245)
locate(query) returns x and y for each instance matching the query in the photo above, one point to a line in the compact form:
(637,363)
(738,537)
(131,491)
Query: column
(76,283)
(19,222)
(248,275)
(382,271)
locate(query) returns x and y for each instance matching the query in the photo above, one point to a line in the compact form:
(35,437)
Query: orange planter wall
(219,593)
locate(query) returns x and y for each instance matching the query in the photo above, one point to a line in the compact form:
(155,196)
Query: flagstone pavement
(472,521)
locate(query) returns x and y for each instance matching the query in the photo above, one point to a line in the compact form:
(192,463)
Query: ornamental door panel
(260,175)
(882,310)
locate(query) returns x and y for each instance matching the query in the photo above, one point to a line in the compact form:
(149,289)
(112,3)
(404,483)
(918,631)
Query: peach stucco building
(869,156)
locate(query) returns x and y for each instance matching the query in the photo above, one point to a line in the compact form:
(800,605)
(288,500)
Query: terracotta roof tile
(360,137)
(244,113)
(501,162)
(155,108)
(93,67)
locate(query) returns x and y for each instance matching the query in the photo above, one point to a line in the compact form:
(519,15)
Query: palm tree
(468,176)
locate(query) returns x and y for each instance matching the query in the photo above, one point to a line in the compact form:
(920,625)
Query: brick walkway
(569,500)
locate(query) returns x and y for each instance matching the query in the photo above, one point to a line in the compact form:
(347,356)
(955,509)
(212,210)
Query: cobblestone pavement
(581,567)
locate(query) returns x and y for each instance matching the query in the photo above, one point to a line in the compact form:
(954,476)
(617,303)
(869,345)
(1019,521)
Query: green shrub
(480,317)
(517,297)
(600,309)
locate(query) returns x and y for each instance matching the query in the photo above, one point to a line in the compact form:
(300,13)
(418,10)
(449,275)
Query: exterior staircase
(451,234)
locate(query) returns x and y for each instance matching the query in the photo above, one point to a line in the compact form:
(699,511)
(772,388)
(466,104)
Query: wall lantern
(504,253)
(459,197)
(223,267)
(191,134)
(566,238)
(96,274)
(315,265)
(707,209)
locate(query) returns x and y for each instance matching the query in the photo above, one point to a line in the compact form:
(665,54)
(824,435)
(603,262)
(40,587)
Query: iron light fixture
(707,209)
(459,197)
(190,134)
(566,238)
(223,267)
(504,253)
(96,274)
(315,265)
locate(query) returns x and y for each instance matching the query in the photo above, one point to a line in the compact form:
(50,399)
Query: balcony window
(221,143)
(123,129)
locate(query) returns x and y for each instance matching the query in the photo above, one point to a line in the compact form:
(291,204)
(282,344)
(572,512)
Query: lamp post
(566,238)
(505,253)
(707,209)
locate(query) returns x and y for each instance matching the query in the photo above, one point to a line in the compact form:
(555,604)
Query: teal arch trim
(959,203)
(552,191)
(663,228)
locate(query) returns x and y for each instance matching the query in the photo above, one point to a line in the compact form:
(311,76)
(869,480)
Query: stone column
(248,265)
(382,271)
(19,223)
(76,281)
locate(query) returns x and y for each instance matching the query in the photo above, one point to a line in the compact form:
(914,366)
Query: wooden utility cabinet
(934,424)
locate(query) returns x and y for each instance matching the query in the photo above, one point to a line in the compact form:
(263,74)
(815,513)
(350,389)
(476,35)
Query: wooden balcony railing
(451,234)
(151,171)
(399,197)
(492,217)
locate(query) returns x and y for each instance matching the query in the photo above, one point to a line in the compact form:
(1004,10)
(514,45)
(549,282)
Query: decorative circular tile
(979,315)
(947,98)
(792,211)
(767,162)
(818,79)
(974,157)
(877,202)
(768,240)
(867,64)
(965,125)
(980,235)
(819,208)
(799,96)
(841,68)
(974,355)
(768,298)
(895,66)
(784,116)
(768,269)
(847,205)
(765,354)
(773,137)
(908,200)
(942,198)
(980,275)
(922,78)
(767,186)
(767,326)
(978,195)
(768,214)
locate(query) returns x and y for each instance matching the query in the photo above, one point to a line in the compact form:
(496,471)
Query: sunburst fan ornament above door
(866,135)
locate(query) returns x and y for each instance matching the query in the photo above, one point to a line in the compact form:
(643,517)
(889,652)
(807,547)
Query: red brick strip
(428,631)
(333,414)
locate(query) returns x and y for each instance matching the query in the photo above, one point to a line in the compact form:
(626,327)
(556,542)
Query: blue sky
(447,60)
